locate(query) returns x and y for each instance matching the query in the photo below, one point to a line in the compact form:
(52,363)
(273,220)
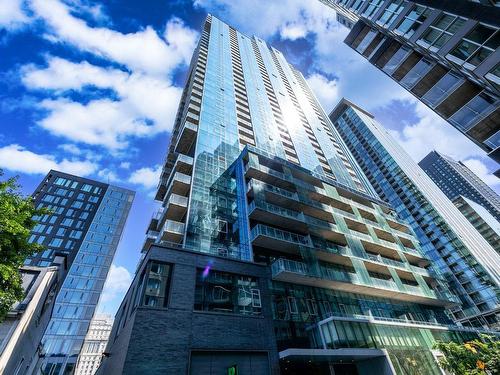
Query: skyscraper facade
(84,225)
(463,256)
(272,253)
(455,179)
(446,53)
(481,219)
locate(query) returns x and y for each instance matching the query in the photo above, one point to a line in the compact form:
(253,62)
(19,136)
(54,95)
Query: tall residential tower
(272,253)
(455,179)
(446,53)
(463,256)
(84,226)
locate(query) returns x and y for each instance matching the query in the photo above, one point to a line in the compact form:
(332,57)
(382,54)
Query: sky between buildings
(91,88)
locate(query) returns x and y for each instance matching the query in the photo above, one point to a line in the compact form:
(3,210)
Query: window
(465,117)
(312,307)
(86,187)
(292,305)
(227,293)
(416,73)
(372,8)
(413,20)
(67,222)
(441,89)
(157,285)
(442,30)
(476,46)
(395,60)
(76,234)
(56,242)
(391,12)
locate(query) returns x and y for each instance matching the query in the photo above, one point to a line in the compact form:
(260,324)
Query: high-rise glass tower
(454,179)
(464,257)
(272,253)
(446,53)
(84,225)
(483,221)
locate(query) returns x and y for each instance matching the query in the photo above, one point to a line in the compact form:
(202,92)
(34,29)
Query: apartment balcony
(272,238)
(326,230)
(187,136)
(277,215)
(176,207)
(173,231)
(268,175)
(180,184)
(151,236)
(299,273)
(183,164)
(274,194)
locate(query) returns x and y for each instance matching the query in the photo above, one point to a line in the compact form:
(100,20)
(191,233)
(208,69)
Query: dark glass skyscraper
(463,256)
(272,253)
(84,225)
(446,53)
(454,179)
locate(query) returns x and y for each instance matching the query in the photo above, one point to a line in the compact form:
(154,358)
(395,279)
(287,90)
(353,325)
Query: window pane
(480,34)
(479,56)
(464,50)
(442,40)
(444,21)
(431,35)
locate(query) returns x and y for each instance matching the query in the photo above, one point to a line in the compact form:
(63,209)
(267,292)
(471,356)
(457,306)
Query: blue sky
(91,88)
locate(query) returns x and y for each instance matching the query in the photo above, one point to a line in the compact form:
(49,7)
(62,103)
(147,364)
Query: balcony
(268,175)
(151,237)
(326,230)
(176,207)
(277,239)
(273,193)
(173,231)
(271,214)
(183,164)
(180,184)
(187,136)
(299,273)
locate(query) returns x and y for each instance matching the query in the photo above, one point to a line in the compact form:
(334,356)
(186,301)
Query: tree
(16,221)
(477,357)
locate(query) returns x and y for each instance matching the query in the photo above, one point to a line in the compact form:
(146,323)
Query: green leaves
(16,222)
(476,357)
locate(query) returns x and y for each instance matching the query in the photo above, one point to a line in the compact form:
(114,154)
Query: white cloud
(17,159)
(481,170)
(143,50)
(125,165)
(146,105)
(147,177)
(116,285)
(433,133)
(12,15)
(107,175)
(326,91)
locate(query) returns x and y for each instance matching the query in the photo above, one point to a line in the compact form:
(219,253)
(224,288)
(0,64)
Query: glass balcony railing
(281,235)
(184,159)
(330,247)
(172,226)
(295,215)
(337,275)
(257,186)
(287,265)
(178,200)
(328,273)
(182,178)
(320,223)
